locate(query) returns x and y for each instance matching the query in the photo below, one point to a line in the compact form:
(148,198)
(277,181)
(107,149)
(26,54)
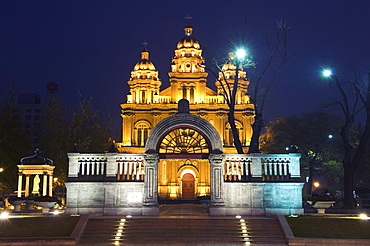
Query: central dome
(188,41)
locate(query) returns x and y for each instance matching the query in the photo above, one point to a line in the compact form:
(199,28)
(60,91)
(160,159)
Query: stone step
(182,230)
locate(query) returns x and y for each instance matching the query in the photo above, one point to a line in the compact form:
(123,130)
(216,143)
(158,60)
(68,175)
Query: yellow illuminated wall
(147,105)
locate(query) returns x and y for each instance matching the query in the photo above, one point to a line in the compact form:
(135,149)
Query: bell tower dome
(226,80)
(188,76)
(144,82)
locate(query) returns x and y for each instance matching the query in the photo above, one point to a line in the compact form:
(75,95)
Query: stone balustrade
(236,167)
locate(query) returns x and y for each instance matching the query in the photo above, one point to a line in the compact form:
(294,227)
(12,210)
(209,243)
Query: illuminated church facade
(147,105)
(177,144)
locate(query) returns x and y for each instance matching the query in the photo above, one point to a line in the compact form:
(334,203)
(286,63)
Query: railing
(261,167)
(275,169)
(106,167)
(92,168)
(130,168)
(237,169)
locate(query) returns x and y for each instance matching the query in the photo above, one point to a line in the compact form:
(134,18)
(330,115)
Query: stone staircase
(183,231)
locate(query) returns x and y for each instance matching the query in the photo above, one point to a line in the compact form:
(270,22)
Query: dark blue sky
(91,46)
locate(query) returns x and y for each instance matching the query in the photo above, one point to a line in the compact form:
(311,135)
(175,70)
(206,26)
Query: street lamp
(327,72)
(240,54)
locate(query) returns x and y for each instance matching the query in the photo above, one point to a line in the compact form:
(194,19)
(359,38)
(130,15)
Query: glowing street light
(316,184)
(240,54)
(327,72)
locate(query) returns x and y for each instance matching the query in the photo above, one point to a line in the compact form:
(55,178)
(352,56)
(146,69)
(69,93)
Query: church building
(186,176)
(177,144)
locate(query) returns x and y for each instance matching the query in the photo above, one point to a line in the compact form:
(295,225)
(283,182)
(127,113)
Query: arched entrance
(183,137)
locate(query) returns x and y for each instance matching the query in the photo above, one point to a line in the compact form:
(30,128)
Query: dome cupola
(188,41)
(144,63)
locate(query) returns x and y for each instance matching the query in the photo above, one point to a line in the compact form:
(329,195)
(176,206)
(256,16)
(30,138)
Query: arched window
(141,133)
(228,134)
(184,141)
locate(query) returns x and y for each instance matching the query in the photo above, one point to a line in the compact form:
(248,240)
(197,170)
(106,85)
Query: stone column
(27,189)
(256,165)
(44,184)
(112,166)
(50,185)
(20,176)
(217,182)
(151,184)
(73,166)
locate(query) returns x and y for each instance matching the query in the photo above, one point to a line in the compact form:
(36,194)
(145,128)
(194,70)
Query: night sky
(91,46)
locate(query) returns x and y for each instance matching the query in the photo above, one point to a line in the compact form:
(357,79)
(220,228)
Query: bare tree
(278,56)
(351,103)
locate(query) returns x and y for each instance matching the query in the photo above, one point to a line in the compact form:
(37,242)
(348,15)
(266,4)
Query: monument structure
(177,144)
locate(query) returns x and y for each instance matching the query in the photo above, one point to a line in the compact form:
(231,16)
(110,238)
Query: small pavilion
(32,170)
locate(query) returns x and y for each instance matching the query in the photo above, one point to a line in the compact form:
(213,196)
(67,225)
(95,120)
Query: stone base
(262,211)
(216,211)
(150,210)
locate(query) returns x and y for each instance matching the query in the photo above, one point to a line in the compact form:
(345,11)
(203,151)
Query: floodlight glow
(4,215)
(363,216)
(316,184)
(238,216)
(330,136)
(241,53)
(327,72)
(128,216)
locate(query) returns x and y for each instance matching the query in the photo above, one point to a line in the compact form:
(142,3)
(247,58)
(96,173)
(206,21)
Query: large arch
(183,119)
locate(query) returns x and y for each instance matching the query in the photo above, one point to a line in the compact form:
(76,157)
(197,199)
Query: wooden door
(188,186)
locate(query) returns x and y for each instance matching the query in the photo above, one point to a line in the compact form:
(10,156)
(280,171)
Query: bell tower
(188,76)
(226,79)
(144,82)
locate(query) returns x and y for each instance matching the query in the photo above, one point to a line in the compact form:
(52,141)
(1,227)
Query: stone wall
(263,198)
(105,198)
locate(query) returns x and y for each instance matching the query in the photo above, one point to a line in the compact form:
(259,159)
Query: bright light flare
(4,215)
(327,73)
(241,53)
(363,216)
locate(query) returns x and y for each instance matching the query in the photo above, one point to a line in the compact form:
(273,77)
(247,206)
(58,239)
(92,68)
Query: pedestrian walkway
(180,225)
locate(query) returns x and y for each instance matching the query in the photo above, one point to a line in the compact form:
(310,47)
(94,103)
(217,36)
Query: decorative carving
(221,114)
(216,159)
(156,114)
(151,159)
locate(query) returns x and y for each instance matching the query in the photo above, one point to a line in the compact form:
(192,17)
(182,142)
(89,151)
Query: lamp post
(1,186)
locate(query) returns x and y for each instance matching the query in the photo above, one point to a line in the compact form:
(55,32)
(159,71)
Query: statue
(36,184)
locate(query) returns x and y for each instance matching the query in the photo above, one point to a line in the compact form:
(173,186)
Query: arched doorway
(183,150)
(195,138)
(188,186)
